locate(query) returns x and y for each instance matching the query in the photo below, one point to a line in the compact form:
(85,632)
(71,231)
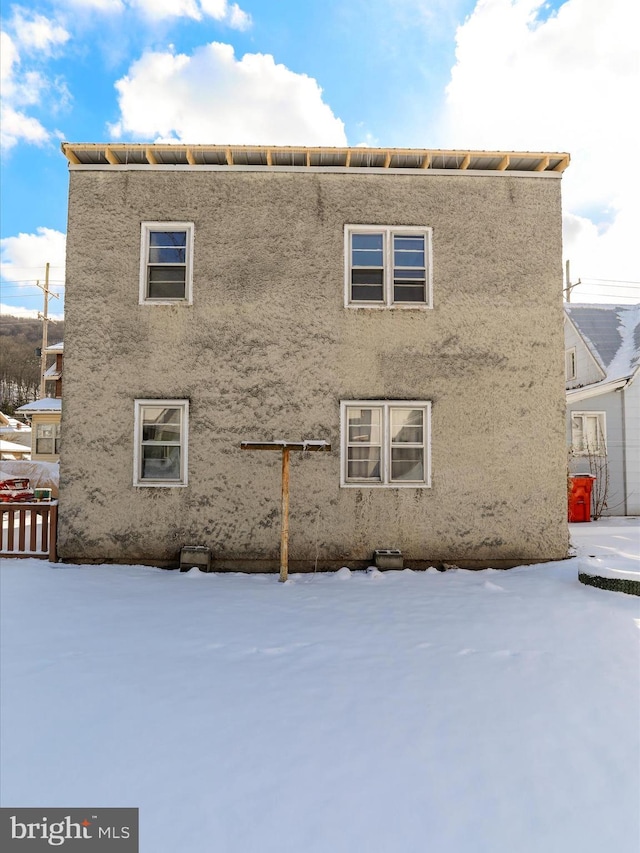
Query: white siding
(632,426)
(587,369)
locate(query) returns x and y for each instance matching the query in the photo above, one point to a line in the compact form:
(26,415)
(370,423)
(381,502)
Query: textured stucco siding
(268,351)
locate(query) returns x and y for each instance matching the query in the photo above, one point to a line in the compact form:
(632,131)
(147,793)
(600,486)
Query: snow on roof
(612,333)
(59,347)
(13,447)
(52,372)
(47,404)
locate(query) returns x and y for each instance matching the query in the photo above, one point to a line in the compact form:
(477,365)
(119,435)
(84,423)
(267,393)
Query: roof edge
(268,156)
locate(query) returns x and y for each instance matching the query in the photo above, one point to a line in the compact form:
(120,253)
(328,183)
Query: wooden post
(286,447)
(284,535)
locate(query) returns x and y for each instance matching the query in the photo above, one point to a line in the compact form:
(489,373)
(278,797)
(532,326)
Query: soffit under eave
(123,154)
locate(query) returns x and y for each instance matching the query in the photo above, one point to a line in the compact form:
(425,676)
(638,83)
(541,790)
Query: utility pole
(568,287)
(44,316)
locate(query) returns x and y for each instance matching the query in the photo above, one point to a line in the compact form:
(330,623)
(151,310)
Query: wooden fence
(29,530)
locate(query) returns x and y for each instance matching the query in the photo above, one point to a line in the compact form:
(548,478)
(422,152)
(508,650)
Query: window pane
(366,285)
(366,258)
(363,463)
(407,276)
(45,445)
(366,241)
(408,259)
(162,425)
(366,277)
(591,434)
(364,425)
(166,283)
(161,414)
(160,463)
(407,463)
(408,243)
(167,238)
(576,432)
(366,293)
(407,426)
(409,293)
(164,255)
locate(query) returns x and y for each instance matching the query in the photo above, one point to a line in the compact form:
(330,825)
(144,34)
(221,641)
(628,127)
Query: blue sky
(468,74)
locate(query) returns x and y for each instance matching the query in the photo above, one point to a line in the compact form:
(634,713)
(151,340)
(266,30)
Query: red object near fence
(15,490)
(580,497)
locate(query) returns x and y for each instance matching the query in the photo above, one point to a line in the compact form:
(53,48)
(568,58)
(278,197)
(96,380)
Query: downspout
(624,446)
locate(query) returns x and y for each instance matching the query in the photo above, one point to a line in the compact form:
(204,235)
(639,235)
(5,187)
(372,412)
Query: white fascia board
(350,170)
(596,390)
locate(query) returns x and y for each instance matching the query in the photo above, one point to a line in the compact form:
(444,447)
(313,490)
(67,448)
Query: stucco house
(403,305)
(602,362)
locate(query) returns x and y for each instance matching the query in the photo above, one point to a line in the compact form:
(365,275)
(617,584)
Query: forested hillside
(19,363)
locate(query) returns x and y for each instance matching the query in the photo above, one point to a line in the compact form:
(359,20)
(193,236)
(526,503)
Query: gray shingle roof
(612,333)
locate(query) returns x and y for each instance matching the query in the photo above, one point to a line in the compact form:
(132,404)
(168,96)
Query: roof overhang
(596,390)
(239,157)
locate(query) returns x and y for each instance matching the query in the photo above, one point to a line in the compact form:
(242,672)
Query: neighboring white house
(602,357)
(45,418)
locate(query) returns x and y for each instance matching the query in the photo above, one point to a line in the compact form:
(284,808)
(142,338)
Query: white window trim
(570,359)
(388,231)
(386,406)
(145,229)
(601,449)
(183,405)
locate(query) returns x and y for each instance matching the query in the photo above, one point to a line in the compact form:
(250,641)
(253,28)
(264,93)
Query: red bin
(580,497)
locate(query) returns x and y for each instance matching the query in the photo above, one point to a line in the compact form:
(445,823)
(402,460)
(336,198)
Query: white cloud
(38,37)
(23,258)
(231,13)
(211,96)
(34,32)
(108,6)
(16,126)
(529,79)
(25,313)
(158,10)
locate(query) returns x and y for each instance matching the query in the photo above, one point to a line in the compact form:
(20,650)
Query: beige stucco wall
(268,350)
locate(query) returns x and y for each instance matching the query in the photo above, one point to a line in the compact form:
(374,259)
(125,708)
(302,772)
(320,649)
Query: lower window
(47,439)
(588,433)
(385,443)
(160,456)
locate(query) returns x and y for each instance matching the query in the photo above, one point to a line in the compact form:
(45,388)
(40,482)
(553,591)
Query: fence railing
(29,530)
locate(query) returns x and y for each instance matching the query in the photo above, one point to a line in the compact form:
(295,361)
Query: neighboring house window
(166,262)
(387,266)
(385,443)
(570,364)
(160,457)
(588,433)
(48,439)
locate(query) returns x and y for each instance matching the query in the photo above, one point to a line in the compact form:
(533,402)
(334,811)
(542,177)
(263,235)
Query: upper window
(588,433)
(386,443)
(387,266)
(570,363)
(160,455)
(166,262)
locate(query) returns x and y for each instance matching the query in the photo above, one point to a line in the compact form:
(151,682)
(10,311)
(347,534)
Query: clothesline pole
(284,534)
(286,446)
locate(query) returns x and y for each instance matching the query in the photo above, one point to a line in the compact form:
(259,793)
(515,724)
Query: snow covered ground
(457,712)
